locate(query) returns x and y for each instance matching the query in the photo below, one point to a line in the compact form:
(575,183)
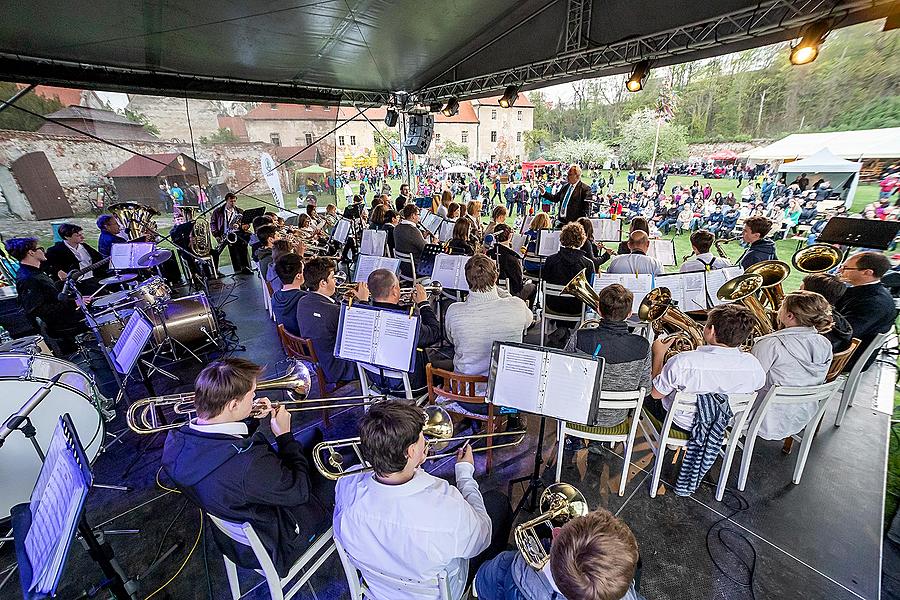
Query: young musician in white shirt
(404,522)
(703,259)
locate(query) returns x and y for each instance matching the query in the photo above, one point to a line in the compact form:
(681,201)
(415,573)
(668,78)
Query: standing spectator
(631,180)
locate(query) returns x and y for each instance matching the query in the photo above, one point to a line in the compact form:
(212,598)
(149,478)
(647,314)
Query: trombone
(438,428)
(560,503)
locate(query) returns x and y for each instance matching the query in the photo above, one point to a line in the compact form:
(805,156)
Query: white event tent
(843,174)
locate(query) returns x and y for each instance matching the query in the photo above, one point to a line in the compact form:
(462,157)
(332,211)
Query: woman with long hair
(459,243)
(540,221)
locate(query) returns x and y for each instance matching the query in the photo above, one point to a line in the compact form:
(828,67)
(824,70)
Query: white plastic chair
(786,395)
(685,403)
(855,376)
(550,289)
(369,388)
(309,562)
(358,575)
(625,432)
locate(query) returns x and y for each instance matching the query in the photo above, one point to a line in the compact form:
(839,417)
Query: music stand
(861,233)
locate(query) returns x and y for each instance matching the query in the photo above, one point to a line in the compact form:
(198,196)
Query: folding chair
(785,395)
(309,562)
(368,386)
(633,402)
(410,261)
(549,289)
(855,376)
(661,435)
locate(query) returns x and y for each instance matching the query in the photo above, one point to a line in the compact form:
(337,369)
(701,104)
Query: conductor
(575,197)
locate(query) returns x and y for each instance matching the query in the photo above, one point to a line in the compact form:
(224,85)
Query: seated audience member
(485,317)
(406,523)
(703,259)
(795,355)
(593,557)
(761,248)
(279,249)
(289,268)
(637,224)
(559,269)
(717,367)
(588,248)
(627,354)
(72,254)
(510,262)
(318,314)
(867,305)
(224,464)
(459,243)
(453,210)
(832,289)
(637,261)
(384,289)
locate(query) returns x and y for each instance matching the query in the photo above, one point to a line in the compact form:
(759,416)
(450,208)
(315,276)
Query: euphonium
(579,287)
(200,237)
(658,309)
(560,503)
(817,258)
(743,289)
(135,218)
(773,272)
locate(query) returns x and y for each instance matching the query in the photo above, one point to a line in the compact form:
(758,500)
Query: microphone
(16,420)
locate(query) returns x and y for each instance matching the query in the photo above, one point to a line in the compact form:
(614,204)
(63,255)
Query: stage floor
(819,539)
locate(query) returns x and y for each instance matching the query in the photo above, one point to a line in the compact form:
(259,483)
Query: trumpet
(407,293)
(559,504)
(438,430)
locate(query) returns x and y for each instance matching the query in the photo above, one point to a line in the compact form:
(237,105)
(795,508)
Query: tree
(21,121)
(222,136)
(638,136)
(138,117)
(567,150)
(536,141)
(453,151)
(381,147)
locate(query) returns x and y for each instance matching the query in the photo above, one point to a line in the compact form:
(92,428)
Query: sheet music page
(126,255)
(132,341)
(449,271)
(396,340)
(526,223)
(569,387)
(717,278)
(341,229)
(518,243)
(518,380)
(548,243)
(694,285)
(675,285)
(373,242)
(607,230)
(432,222)
(639,285)
(663,251)
(357,334)
(366,264)
(446,232)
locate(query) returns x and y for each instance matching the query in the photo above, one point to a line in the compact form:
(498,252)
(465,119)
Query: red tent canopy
(537,164)
(723,155)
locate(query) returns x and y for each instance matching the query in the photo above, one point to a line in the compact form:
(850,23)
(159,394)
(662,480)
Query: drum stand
(169,344)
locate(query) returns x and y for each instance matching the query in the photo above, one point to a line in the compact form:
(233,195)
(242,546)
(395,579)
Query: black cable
(168,529)
(725,536)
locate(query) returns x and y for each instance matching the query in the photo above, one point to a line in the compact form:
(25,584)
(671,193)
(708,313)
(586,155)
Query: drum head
(109,300)
(19,463)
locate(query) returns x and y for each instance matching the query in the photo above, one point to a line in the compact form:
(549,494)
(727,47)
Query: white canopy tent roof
(459,169)
(853,145)
(843,174)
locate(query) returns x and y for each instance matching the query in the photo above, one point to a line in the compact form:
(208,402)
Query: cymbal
(114,279)
(152,259)
(109,299)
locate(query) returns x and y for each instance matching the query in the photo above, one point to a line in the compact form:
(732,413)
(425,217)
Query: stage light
(435,106)
(452,107)
(509,96)
(811,37)
(635,82)
(390,117)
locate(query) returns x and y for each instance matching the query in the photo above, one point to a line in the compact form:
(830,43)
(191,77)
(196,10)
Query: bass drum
(21,375)
(32,344)
(189,320)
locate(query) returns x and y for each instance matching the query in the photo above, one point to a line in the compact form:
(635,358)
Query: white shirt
(693,264)
(625,264)
(413,530)
(81,253)
(235,428)
(708,370)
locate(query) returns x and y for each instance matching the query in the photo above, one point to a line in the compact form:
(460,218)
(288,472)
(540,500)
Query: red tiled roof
(279,111)
(65,96)
(522,101)
(235,124)
(139,166)
(466,114)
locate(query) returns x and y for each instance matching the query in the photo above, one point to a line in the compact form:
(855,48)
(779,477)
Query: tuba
(817,258)
(773,272)
(200,237)
(135,218)
(559,504)
(743,289)
(579,287)
(658,309)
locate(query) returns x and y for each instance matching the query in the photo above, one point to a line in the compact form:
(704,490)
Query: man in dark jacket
(559,269)
(225,465)
(109,234)
(573,197)
(289,269)
(510,262)
(384,287)
(761,248)
(867,305)
(318,315)
(72,254)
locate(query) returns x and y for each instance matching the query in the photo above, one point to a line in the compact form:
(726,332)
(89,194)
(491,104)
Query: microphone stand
(21,421)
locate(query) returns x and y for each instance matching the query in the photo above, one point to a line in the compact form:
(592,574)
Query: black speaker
(419,129)
(390,118)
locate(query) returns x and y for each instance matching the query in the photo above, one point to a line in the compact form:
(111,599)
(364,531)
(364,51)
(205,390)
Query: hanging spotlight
(452,107)
(391,117)
(635,82)
(811,37)
(435,106)
(509,96)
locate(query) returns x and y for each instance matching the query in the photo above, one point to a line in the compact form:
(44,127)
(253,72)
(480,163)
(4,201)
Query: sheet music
(357,334)
(126,255)
(373,242)
(526,223)
(341,229)
(639,285)
(663,251)
(131,343)
(519,241)
(366,264)
(432,222)
(717,278)
(688,289)
(607,230)
(568,386)
(450,271)
(518,380)
(446,231)
(548,242)
(396,340)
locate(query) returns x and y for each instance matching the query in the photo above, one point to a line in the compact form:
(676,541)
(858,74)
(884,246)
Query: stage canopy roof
(377,51)
(853,145)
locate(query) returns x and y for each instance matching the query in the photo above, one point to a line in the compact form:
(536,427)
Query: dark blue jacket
(758,251)
(317,320)
(870,310)
(284,305)
(104,244)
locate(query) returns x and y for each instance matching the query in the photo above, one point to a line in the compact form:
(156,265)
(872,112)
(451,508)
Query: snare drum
(21,375)
(151,292)
(32,344)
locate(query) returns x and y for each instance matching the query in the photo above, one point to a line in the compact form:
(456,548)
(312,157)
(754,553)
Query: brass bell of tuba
(773,272)
(580,287)
(658,309)
(817,258)
(135,218)
(560,503)
(743,289)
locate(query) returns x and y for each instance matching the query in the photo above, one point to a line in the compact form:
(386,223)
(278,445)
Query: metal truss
(767,18)
(578,25)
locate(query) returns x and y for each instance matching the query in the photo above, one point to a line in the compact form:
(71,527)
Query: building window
(340,140)
(519,115)
(518,136)
(464,137)
(275,139)
(352,140)
(273,106)
(493,136)
(309,139)
(308,107)
(437,137)
(493,114)
(518,158)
